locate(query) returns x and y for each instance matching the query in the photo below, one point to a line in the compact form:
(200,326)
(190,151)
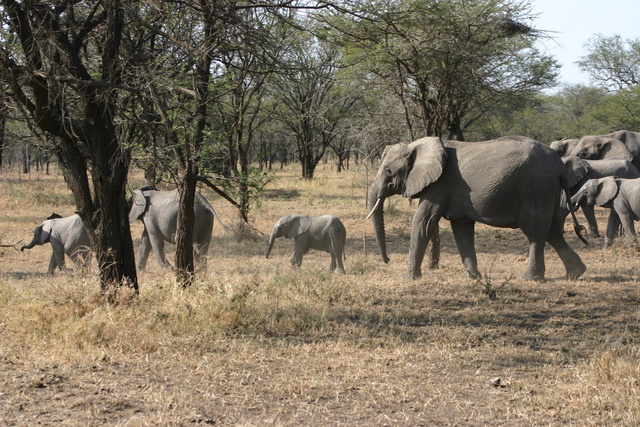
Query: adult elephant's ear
(426,161)
(138,206)
(607,190)
(576,169)
(609,147)
(301,224)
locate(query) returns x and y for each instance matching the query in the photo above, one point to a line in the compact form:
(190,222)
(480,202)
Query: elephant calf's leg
(336,263)
(145,249)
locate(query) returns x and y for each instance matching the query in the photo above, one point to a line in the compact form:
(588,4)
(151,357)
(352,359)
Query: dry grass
(257,342)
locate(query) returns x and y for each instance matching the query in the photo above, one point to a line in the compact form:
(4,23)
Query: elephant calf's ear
(138,206)
(299,225)
(607,190)
(426,162)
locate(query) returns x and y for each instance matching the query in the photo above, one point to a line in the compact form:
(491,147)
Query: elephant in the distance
(579,171)
(623,143)
(158,211)
(510,182)
(324,233)
(619,194)
(67,236)
(564,146)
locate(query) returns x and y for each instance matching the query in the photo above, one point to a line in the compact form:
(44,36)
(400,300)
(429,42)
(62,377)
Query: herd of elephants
(509,182)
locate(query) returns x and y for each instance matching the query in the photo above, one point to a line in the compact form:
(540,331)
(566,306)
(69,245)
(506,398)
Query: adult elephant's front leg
(463,233)
(433,232)
(422,229)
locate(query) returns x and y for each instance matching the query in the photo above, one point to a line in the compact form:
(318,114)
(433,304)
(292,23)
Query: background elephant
(579,171)
(564,146)
(619,194)
(158,211)
(511,182)
(67,236)
(324,233)
(623,143)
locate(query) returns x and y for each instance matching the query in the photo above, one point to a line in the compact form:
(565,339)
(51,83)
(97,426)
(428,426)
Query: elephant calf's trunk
(29,246)
(271,240)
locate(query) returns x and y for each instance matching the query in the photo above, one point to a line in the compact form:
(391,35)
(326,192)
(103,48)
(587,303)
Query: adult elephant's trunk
(271,240)
(377,213)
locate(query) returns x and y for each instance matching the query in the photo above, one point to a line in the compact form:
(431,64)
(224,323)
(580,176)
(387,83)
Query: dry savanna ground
(258,342)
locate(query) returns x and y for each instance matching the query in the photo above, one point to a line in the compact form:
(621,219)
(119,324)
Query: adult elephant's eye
(387,171)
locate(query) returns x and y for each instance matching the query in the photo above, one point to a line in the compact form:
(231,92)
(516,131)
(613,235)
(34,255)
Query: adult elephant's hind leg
(535,265)
(572,263)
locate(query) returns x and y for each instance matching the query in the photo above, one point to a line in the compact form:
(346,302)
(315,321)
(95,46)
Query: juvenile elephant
(67,237)
(510,182)
(579,171)
(158,211)
(623,143)
(621,195)
(324,233)
(564,146)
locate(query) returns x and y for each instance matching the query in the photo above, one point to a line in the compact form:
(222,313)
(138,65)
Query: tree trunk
(185,267)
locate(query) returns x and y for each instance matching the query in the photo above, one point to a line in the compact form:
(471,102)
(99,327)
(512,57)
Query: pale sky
(573,22)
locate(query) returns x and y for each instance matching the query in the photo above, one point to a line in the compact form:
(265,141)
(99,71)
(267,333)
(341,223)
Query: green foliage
(612,62)
(446,59)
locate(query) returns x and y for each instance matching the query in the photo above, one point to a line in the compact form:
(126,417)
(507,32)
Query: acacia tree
(243,107)
(612,63)
(311,100)
(65,69)
(448,62)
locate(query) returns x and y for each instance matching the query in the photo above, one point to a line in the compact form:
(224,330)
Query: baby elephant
(324,233)
(619,194)
(67,236)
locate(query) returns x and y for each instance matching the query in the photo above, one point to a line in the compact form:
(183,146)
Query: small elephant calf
(67,236)
(619,194)
(325,233)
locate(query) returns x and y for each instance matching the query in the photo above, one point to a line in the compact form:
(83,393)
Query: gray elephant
(579,171)
(564,146)
(510,182)
(158,211)
(324,233)
(623,143)
(619,194)
(67,236)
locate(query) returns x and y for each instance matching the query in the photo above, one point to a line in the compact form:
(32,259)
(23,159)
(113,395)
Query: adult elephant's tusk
(374,208)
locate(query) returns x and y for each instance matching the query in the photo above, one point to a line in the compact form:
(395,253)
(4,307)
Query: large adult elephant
(510,182)
(579,171)
(564,146)
(623,143)
(67,236)
(158,211)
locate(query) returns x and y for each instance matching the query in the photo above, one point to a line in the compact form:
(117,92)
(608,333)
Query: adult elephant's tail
(577,228)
